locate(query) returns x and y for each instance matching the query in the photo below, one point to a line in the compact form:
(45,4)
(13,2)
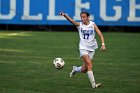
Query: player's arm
(69,19)
(101,37)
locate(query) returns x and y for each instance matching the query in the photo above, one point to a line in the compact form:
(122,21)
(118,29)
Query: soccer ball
(58,63)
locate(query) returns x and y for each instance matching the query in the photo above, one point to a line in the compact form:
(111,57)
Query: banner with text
(46,12)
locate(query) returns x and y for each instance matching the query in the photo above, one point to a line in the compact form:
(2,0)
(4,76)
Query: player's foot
(97,85)
(72,72)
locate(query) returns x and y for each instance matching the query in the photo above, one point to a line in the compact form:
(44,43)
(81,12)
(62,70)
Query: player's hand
(103,48)
(62,13)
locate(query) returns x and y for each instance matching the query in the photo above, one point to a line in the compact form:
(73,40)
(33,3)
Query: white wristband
(103,44)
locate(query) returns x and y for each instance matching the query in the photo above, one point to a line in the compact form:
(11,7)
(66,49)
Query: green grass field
(26,63)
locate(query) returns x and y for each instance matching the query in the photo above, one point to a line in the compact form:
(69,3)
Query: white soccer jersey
(87,36)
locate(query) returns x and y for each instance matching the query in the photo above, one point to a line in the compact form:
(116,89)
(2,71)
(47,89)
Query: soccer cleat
(72,72)
(97,85)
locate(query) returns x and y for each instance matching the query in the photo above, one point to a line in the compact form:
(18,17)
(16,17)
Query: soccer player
(87,45)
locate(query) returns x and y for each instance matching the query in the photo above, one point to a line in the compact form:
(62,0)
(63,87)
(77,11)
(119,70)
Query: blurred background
(36,15)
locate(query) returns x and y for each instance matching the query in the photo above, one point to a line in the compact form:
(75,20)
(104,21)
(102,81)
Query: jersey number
(86,36)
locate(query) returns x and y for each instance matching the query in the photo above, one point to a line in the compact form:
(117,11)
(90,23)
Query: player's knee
(84,70)
(89,66)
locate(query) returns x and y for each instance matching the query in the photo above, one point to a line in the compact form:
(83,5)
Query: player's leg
(82,68)
(88,62)
(75,70)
